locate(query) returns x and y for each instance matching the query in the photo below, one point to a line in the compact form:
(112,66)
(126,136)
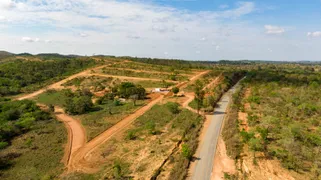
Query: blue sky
(185,29)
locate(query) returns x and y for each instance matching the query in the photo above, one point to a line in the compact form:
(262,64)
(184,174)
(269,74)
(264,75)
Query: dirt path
(80,160)
(76,133)
(191,97)
(77,155)
(213,83)
(57,85)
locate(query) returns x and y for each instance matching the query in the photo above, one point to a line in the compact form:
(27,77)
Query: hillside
(5,54)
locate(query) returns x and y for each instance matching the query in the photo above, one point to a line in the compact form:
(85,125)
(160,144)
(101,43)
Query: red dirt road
(80,160)
(76,133)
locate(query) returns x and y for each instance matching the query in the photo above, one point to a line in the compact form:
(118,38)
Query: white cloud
(83,35)
(135,28)
(243,8)
(3,19)
(7,4)
(29,39)
(314,34)
(274,29)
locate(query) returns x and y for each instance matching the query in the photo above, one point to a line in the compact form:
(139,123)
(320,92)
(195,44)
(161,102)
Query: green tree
(173,107)
(175,90)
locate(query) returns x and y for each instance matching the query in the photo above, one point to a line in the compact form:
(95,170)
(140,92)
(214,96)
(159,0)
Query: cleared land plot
(101,118)
(98,121)
(36,154)
(153,67)
(132,73)
(96,83)
(140,151)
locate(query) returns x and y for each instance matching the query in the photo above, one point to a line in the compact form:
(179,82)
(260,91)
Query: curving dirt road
(77,154)
(76,133)
(80,160)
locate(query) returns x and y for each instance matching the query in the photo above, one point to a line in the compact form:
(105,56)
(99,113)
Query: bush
(173,107)
(131,135)
(3,145)
(186,151)
(18,117)
(78,103)
(175,90)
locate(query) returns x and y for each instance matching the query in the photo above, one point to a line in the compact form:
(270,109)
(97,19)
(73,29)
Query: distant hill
(5,54)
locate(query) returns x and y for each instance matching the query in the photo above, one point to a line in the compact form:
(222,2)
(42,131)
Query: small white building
(160,90)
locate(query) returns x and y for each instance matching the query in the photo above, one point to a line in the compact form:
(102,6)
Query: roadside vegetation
(231,131)
(208,101)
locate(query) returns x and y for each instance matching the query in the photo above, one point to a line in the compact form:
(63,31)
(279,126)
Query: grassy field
(98,121)
(36,154)
(92,81)
(51,97)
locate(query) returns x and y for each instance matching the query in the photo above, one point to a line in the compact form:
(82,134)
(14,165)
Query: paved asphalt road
(204,164)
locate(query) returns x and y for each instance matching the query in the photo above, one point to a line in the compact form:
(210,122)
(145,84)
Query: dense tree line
(175,63)
(18,76)
(17,117)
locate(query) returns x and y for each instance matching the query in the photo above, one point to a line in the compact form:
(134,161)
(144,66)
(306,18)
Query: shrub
(173,107)
(131,135)
(186,151)
(3,145)
(175,90)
